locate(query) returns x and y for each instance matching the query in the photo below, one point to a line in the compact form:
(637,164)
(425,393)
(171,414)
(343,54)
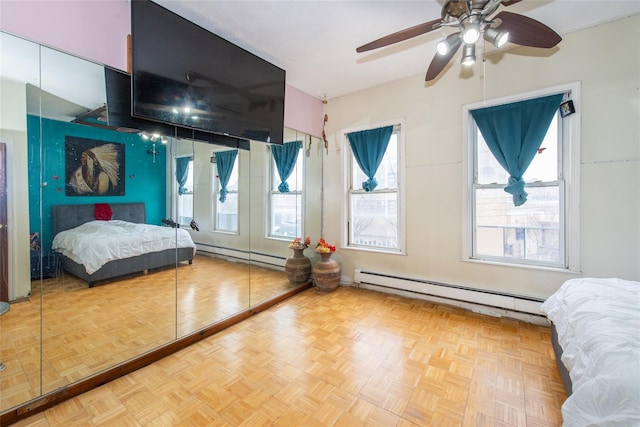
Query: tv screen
(187,76)
(118,85)
(119,115)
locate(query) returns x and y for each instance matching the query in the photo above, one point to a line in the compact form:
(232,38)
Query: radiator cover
(466,295)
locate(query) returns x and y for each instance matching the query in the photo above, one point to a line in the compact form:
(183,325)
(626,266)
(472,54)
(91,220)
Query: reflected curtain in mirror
(285,157)
(182,172)
(225,161)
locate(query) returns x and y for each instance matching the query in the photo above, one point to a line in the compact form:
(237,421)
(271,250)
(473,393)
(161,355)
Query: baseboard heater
(464,296)
(236,255)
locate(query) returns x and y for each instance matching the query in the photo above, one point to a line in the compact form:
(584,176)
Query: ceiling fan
(473,19)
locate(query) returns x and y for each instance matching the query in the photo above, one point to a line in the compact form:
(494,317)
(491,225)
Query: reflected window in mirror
(184,189)
(225,206)
(285,201)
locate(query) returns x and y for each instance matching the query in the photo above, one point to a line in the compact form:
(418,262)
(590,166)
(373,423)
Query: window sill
(375,250)
(229,233)
(525,266)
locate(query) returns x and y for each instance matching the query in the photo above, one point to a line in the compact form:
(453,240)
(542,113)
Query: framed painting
(93,168)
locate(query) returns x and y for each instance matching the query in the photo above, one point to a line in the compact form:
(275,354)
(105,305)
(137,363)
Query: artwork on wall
(93,168)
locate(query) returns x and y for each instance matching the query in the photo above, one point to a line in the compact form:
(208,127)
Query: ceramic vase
(326,272)
(298,267)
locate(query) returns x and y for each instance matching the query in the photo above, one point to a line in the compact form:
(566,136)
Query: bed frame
(65,217)
(557,349)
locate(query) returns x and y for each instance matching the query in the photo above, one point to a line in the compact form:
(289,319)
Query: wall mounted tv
(187,76)
(119,115)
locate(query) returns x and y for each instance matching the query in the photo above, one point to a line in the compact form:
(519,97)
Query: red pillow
(103,212)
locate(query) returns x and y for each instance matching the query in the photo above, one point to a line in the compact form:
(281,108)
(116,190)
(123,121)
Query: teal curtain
(182,172)
(285,156)
(368,148)
(513,133)
(225,160)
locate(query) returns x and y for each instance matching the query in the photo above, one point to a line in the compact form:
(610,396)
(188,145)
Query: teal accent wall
(144,179)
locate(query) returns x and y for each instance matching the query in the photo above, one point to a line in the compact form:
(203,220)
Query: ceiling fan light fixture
(450,43)
(468,54)
(443,47)
(470,29)
(496,37)
(473,19)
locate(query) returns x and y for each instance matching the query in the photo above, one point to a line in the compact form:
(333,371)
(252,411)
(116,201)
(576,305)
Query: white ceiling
(315,40)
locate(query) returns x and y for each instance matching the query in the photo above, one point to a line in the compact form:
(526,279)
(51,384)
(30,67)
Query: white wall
(13,132)
(606,60)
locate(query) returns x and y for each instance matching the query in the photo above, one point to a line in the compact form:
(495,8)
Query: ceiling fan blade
(526,31)
(401,35)
(510,2)
(438,63)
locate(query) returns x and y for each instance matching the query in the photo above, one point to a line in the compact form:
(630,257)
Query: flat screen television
(119,115)
(187,76)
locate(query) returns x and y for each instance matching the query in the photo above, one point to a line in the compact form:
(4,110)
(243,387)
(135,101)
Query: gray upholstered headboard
(65,217)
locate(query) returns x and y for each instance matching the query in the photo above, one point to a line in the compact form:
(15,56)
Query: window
(374,217)
(185,189)
(544,230)
(285,218)
(226,213)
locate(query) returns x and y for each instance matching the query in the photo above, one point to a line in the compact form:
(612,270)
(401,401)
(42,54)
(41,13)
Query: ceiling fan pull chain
(484,78)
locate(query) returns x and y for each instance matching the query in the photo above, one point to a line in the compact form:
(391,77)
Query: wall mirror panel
(77,161)
(217,285)
(59,330)
(20,331)
(283,215)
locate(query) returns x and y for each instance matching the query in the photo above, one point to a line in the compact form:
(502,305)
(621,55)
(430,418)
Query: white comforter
(95,243)
(598,324)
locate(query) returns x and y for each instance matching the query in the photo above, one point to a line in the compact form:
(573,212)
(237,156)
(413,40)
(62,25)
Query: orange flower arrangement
(324,247)
(298,243)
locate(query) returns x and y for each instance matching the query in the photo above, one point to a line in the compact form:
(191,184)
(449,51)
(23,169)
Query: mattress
(95,243)
(598,327)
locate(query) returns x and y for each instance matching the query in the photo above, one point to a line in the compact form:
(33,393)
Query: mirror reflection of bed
(63,331)
(103,241)
(132,311)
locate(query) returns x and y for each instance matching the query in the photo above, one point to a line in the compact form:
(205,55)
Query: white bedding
(95,243)
(598,325)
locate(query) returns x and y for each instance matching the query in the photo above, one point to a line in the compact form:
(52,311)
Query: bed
(596,334)
(128,258)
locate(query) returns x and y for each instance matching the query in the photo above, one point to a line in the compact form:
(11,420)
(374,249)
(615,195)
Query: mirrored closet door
(61,151)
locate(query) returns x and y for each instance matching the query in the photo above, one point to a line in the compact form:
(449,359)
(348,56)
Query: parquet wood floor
(87,330)
(352,357)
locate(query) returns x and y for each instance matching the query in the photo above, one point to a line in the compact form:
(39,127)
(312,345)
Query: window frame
(192,192)
(568,181)
(272,174)
(348,159)
(215,194)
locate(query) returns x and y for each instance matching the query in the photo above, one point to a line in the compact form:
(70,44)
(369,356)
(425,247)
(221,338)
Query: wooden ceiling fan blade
(510,2)
(401,35)
(526,31)
(438,63)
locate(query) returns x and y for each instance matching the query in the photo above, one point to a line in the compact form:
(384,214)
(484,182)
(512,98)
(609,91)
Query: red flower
(324,247)
(298,243)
